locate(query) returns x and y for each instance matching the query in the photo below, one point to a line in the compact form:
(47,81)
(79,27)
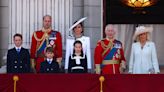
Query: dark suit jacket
(18,62)
(49,68)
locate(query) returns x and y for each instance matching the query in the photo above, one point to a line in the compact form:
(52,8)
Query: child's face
(49,55)
(78,48)
(17,41)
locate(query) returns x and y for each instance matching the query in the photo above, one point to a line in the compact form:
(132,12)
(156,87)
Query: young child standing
(77,61)
(49,65)
(18,58)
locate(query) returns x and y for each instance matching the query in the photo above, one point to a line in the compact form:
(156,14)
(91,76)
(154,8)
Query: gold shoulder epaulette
(37,39)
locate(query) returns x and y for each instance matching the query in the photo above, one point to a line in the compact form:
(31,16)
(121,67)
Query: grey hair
(110,26)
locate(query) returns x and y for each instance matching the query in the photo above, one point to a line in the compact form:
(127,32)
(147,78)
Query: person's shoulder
(54,61)
(39,31)
(44,62)
(57,32)
(136,44)
(101,40)
(86,37)
(70,38)
(117,41)
(11,50)
(150,43)
(24,49)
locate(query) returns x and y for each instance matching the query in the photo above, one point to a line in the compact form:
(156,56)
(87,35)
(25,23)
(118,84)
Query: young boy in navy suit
(49,65)
(18,58)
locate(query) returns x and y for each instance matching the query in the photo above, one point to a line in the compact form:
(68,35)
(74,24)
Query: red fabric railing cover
(82,83)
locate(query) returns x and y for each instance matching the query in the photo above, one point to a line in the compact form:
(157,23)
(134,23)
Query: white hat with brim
(141,30)
(78,22)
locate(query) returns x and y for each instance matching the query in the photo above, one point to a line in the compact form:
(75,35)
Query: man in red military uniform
(43,38)
(109,55)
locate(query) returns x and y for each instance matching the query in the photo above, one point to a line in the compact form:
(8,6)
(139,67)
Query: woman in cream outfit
(143,59)
(78,35)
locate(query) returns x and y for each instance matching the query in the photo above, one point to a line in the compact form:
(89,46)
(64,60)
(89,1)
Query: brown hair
(17,34)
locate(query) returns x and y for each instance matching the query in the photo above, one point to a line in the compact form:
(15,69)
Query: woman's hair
(77,42)
(78,24)
(147,35)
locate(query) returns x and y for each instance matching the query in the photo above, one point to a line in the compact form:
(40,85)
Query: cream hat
(141,30)
(78,22)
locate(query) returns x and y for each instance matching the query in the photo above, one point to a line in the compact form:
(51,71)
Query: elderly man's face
(110,32)
(47,22)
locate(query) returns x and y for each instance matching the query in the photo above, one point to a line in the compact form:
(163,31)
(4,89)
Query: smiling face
(78,48)
(49,55)
(143,37)
(47,22)
(78,30)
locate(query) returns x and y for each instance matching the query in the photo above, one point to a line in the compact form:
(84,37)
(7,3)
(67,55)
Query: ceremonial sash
(45,42)
(109,55)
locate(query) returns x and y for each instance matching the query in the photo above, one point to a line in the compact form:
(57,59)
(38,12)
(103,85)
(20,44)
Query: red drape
(82,83)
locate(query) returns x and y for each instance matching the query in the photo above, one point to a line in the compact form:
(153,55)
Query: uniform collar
(18,48)
(49,60)
(47,30)
(111,40)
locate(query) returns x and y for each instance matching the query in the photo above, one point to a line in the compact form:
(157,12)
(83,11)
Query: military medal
(52,42)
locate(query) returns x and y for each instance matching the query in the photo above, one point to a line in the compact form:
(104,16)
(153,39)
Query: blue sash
(41,49)
(109,56)
(44,44)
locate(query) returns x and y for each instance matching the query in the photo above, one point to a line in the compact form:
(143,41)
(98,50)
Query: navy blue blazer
(18,62)
(49,68)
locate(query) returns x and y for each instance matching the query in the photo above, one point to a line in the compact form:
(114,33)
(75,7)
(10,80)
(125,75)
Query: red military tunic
(40,40)
(109,54)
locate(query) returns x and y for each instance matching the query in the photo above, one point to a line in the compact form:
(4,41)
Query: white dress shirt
(18,48)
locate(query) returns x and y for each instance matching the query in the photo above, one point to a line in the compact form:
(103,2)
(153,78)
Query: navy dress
(49,68)
(18,62)
(81,67)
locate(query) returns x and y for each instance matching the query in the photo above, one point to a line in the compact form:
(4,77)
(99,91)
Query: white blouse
(143,60)
(86,50)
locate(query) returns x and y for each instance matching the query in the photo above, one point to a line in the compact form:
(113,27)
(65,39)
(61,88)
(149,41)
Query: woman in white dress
(143,59)
(78,35)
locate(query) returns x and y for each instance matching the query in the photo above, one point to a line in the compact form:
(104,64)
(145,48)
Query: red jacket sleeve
(122,55)
(58,45)
(98,54)
(33,47)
